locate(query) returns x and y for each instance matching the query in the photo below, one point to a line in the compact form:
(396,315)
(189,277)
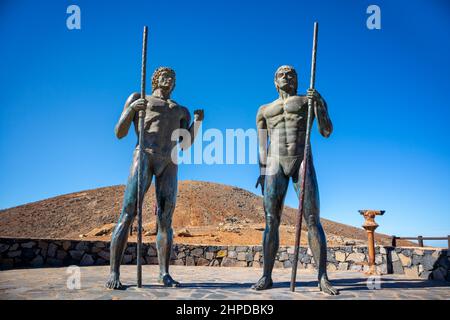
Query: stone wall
(414,262)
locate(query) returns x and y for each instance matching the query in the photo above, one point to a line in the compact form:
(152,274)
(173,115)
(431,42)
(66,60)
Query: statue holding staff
(163,117)
(285,122)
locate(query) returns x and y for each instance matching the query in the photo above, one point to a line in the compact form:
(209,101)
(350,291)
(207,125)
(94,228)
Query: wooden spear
(306,159)
(139,180)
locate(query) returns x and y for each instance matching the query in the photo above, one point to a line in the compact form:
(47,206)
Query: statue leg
(120,235)
(275,188)
(316,236)
(166,195)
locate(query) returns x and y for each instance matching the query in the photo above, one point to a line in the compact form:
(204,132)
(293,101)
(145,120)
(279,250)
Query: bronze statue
(284,122)
(163,116)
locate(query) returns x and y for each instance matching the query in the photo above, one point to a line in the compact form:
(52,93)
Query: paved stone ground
(208,283)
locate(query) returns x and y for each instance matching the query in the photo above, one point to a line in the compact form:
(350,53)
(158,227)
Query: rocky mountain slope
(211,212)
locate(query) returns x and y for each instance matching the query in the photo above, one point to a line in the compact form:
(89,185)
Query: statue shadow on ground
(223,285)
(351,284)
(195,285)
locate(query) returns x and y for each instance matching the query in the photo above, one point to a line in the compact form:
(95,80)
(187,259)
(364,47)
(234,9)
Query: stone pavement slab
(209,283)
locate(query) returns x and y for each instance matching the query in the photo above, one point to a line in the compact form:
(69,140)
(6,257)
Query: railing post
(420,238)
(448,246)
(394,241)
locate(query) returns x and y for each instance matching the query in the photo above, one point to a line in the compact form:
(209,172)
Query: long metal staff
(306,158)
(139,180)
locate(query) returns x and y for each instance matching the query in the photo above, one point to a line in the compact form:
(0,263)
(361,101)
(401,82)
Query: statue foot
(326,287)
(168,281)
(114,282)
(263,283)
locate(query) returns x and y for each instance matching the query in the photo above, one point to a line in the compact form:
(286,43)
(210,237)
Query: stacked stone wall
(413,262)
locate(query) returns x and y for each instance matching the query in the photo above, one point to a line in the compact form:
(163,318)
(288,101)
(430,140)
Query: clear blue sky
(388,90)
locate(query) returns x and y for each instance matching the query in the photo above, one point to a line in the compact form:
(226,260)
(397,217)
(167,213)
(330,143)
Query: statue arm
(127,116)
(191,127)
(323,119)
(261,126)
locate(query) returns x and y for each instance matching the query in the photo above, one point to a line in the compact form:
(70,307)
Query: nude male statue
(284,121)
(163,117)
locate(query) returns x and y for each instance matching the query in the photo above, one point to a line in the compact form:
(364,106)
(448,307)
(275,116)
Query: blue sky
(62,92)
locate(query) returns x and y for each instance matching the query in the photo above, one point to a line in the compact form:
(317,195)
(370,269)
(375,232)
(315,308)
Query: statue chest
(289,114)
(162,115)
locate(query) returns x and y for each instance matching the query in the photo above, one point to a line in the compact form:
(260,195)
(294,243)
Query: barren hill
(213,213)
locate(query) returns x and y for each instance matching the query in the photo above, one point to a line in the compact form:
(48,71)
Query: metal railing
(420,240)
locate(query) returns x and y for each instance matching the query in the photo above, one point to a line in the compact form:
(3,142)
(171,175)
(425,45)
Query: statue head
(286,79)
(163,78)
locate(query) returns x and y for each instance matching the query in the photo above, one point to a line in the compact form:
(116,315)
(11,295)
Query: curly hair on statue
(158,72)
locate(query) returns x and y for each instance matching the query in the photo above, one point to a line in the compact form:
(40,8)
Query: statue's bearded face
(286,80)
(166,81)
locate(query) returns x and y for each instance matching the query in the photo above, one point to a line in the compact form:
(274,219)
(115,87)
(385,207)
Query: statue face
(286,80)
(166,81)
